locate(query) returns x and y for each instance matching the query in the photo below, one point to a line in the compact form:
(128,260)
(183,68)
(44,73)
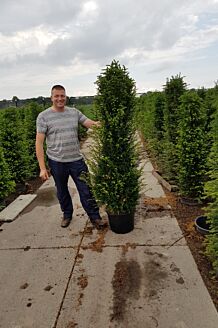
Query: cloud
(55,36)
(24,14)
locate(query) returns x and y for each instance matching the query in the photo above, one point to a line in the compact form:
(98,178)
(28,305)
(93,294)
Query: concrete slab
(47,184)
(137,288)
(40,228)
(151,186)
(145,163)
(16,207)
(146,278)
(157,231)
(32,286)
(39,224)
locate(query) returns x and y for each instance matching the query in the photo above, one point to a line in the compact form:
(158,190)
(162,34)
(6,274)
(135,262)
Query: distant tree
(41,101)
(15,100)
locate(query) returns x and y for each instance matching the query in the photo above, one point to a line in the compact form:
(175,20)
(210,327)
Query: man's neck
(58,109)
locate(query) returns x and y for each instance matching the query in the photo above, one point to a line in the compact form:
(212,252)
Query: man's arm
(40,138)
(89,123)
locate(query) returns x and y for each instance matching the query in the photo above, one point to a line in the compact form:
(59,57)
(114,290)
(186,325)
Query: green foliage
(146,115)
(211,191)
(191,145)
(90,112)
(17,137)
(30,114)
(6,183)
(159,103)
(13,141)
(149,120)
(173,90)
(114,172)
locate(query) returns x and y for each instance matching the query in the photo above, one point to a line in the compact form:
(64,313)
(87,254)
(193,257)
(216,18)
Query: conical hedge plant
(114,172)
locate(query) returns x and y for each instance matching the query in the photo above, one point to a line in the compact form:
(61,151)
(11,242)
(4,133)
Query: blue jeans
(61,172)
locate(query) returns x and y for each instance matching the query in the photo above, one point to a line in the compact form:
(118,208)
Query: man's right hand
(44,175)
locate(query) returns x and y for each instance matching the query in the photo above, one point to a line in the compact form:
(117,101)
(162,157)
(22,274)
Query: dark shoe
(98,224)
(65,222)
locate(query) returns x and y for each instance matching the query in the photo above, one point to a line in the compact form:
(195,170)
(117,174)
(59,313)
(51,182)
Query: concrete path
(52,277)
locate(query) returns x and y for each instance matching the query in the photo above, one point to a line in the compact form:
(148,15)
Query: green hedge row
(17,146)
(211,190)
(181,130)
(18,161)
(177,126)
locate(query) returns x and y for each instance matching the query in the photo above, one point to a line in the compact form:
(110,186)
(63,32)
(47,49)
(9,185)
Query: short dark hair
(58,87)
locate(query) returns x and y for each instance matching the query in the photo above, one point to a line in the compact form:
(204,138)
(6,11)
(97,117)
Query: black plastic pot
(201,225)
(121,223)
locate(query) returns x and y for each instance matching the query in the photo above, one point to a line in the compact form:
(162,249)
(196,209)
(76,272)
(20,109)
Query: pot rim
(200,228)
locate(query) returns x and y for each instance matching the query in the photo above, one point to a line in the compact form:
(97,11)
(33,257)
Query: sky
(70,42)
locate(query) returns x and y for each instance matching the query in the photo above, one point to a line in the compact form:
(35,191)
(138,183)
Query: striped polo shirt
(61,131)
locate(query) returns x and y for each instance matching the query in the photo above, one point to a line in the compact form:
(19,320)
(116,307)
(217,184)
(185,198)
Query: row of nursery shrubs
(180,127)
(18,161)
(17,146)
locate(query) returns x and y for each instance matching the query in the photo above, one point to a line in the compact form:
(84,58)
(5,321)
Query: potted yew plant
(114,172)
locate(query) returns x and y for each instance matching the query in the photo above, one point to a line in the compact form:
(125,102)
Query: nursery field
(18,164)
(179,127)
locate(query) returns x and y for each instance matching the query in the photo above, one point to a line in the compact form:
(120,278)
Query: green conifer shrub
(191,146)
(114,172)
(174,89)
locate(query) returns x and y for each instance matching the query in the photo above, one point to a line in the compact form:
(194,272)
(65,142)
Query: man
(59,126)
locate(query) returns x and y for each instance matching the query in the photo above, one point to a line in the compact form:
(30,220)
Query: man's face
(58,98)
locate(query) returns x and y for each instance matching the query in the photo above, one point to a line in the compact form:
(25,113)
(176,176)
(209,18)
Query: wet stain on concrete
(83,281)
(71,324)
(24,286)
(126,285)
(80,299)
(156,254)
(154,278)
(97,245)
(45,197)
(87,231)
(47,288)
(174,268)
(26,248)
(126,247)
(180,281)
